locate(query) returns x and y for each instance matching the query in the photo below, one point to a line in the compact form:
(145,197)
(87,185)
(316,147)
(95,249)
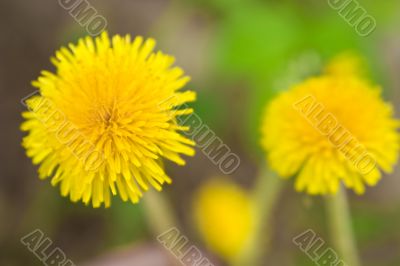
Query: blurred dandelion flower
(224,216)
(103,123)
(323,129)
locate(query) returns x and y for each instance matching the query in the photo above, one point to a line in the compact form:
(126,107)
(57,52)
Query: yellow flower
(224,215)
(329,130)
(103,123)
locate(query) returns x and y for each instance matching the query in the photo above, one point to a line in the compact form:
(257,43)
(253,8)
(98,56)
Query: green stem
(266,192)
(159,213)
(341,227)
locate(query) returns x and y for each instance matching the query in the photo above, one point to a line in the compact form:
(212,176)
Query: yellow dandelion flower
(330,130)
(224,216)
(102,124)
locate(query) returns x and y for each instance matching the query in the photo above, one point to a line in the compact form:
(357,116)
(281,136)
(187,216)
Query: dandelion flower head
(224,215)
(102,124)
(331,129)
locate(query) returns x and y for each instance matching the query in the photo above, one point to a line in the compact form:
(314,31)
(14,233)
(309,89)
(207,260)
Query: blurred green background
(239,54)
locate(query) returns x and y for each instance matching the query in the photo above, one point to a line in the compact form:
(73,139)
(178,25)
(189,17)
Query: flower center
(106,115)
